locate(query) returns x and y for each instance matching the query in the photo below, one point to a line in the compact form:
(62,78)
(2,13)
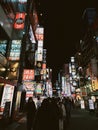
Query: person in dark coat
(47,117)
(68,108)
(31,111)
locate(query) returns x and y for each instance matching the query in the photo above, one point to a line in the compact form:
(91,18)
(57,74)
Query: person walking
(68,104)
(91,106)
(63,115)
(38,103)
(30,113)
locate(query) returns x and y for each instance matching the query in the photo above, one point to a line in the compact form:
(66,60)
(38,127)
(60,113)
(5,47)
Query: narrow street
(80,120)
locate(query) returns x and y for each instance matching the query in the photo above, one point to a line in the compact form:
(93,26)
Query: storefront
(6,98)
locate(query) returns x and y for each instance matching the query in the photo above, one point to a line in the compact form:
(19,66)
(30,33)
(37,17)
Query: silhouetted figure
(47,117)
(31,110)
(91,106)
(96,107)
(63,114)
(68,108)
(38,103)
(41,118)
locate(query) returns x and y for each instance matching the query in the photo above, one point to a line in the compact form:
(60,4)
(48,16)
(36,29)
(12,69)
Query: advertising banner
(82,104)
(29,93)
(40,43)
(7,97)
(39,88)
(44,66)
(39,33)
(3,47)
(83,91)
(29,87)
(28,74)
(15,50)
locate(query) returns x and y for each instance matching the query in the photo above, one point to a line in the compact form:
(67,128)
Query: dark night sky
(63,29)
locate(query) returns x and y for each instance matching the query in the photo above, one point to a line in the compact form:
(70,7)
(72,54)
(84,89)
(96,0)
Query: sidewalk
(82,120)
(20,119)
(6,124)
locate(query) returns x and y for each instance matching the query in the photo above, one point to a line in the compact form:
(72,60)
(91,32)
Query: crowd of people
(55,113)
(50,114)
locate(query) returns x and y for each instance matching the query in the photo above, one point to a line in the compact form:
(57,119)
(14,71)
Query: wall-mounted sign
(15,50)
(40,43)
(44,66)
(39,33)
(39,88)
(28,74)
(22,1)
(3,45)
(19,20)
(7,96)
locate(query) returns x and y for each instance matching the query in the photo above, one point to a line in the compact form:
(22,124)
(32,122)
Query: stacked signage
(28,82)
(40,37)
(39,52)
(3,47)
(15,50)
(7,97)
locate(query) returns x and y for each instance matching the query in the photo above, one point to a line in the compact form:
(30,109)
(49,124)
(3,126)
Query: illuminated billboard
(39,57)
(39,54)
(40,50)
(40,43)
(39,33)
(29,86)
(44,66)
(15,50)
(7,97)
(22,1)
(3,47)
(39,88)
(19,20)
(28,74)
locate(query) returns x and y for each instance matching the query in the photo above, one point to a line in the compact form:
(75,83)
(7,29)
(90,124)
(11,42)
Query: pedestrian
(91,106)
(68,104)
(38,103)
(31,111)
(96,107)
(62,115)
(42,119)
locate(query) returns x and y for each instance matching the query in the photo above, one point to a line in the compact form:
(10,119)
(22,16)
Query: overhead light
(41,14)
(1,23)
(6,77)
(23,32)
(2,69)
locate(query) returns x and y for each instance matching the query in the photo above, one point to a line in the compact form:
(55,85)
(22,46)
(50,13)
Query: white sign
(82,104)
(15,50)
(7,96)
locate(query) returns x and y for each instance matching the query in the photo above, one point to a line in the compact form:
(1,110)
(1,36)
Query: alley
(80,120)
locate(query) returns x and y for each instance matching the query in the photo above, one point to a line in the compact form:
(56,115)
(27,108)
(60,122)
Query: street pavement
(80,120)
